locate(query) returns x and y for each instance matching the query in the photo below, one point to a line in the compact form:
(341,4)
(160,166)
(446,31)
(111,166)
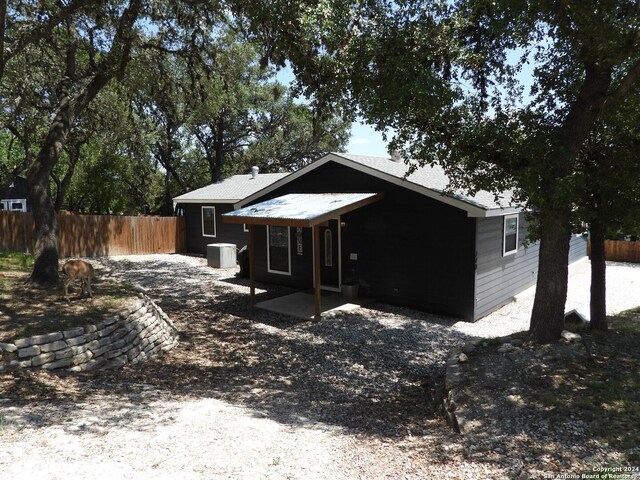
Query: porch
(302,304)
(316,212)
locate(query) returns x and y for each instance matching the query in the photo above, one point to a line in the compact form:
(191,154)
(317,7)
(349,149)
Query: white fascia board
(472,210)
(283,181)
(203,200)
(500,212)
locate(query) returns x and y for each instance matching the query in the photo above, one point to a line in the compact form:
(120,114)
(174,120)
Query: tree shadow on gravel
(378,371)
(556,408)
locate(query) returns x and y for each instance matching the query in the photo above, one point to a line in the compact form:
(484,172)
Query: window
(19,205)
(208,221)
(328,248)
(510,235)
(278,251)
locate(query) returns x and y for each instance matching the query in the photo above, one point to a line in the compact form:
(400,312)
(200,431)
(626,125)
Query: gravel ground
(250,394)
(623,293)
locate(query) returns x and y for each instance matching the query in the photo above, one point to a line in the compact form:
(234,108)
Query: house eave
(320,214)
(471,209)
(500,212)
(178,200)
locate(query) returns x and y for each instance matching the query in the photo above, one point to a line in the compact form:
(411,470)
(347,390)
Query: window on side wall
(18,206)
(510,235)
(278,251)
(208,221)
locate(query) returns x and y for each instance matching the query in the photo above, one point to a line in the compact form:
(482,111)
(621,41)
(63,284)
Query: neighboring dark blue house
(16,197)
(409,244)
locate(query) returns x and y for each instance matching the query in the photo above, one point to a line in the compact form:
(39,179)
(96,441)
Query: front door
(330,255)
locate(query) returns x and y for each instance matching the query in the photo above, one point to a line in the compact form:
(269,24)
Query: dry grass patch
(579,403)
(603,391)
(27,309)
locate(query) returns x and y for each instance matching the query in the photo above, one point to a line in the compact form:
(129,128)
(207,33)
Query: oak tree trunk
(46,249)
(547,316)
(63,185)
(218,161)
(598,306)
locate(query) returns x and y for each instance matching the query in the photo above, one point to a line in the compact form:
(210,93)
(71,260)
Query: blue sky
(364,138)
(366,141)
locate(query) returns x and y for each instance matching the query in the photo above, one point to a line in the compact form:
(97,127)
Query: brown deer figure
(78,270)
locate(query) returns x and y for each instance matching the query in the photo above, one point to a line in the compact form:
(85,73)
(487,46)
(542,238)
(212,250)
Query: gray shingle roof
(230,190)
(431,177)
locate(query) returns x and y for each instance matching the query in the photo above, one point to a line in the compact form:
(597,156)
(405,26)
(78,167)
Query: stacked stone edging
(453,374)
(452,380)
(133,335)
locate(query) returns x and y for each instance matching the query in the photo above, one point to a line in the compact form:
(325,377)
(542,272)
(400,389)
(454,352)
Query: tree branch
(117,58)
(627,83)
(3,28)
(38,31)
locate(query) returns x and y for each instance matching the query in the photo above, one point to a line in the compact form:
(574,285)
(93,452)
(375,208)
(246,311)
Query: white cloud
(359,141)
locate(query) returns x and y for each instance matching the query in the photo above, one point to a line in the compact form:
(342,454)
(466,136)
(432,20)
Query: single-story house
(203,209)
(401,238)
(16,197)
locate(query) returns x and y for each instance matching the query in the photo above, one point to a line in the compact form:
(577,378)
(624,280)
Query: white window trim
(279,272)
(215,227)
(328,248)
(8,204)
(245,227)
(504,234)
(313,243)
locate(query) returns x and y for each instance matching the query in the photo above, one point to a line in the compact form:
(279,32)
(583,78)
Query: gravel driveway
(248,394)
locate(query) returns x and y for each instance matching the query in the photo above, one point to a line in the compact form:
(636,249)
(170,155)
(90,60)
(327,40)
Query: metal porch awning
(301,209)
(310,210)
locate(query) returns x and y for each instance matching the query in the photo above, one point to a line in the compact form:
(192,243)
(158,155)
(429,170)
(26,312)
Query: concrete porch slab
(300,304)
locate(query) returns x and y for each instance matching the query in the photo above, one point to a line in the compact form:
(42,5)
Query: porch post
(316,270)
(252,270)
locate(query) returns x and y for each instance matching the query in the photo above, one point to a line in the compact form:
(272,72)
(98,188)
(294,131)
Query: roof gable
(429,181)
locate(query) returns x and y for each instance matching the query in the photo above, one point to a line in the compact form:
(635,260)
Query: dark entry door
(329,254)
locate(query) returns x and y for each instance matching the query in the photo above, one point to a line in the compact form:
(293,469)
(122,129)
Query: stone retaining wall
(454,377)
(132,336)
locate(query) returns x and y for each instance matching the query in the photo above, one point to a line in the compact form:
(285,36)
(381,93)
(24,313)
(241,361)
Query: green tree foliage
(26,101)
(216,117)
(78,48)
(445,76)
(109,155)
(608,180)
(179,64)
(292,135)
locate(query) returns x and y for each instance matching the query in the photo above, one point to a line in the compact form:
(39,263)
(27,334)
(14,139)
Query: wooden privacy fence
(619,251)
(98,235)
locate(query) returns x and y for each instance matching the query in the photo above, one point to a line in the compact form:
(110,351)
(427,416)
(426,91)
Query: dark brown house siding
(301,265)
(411,250)
(225,232)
